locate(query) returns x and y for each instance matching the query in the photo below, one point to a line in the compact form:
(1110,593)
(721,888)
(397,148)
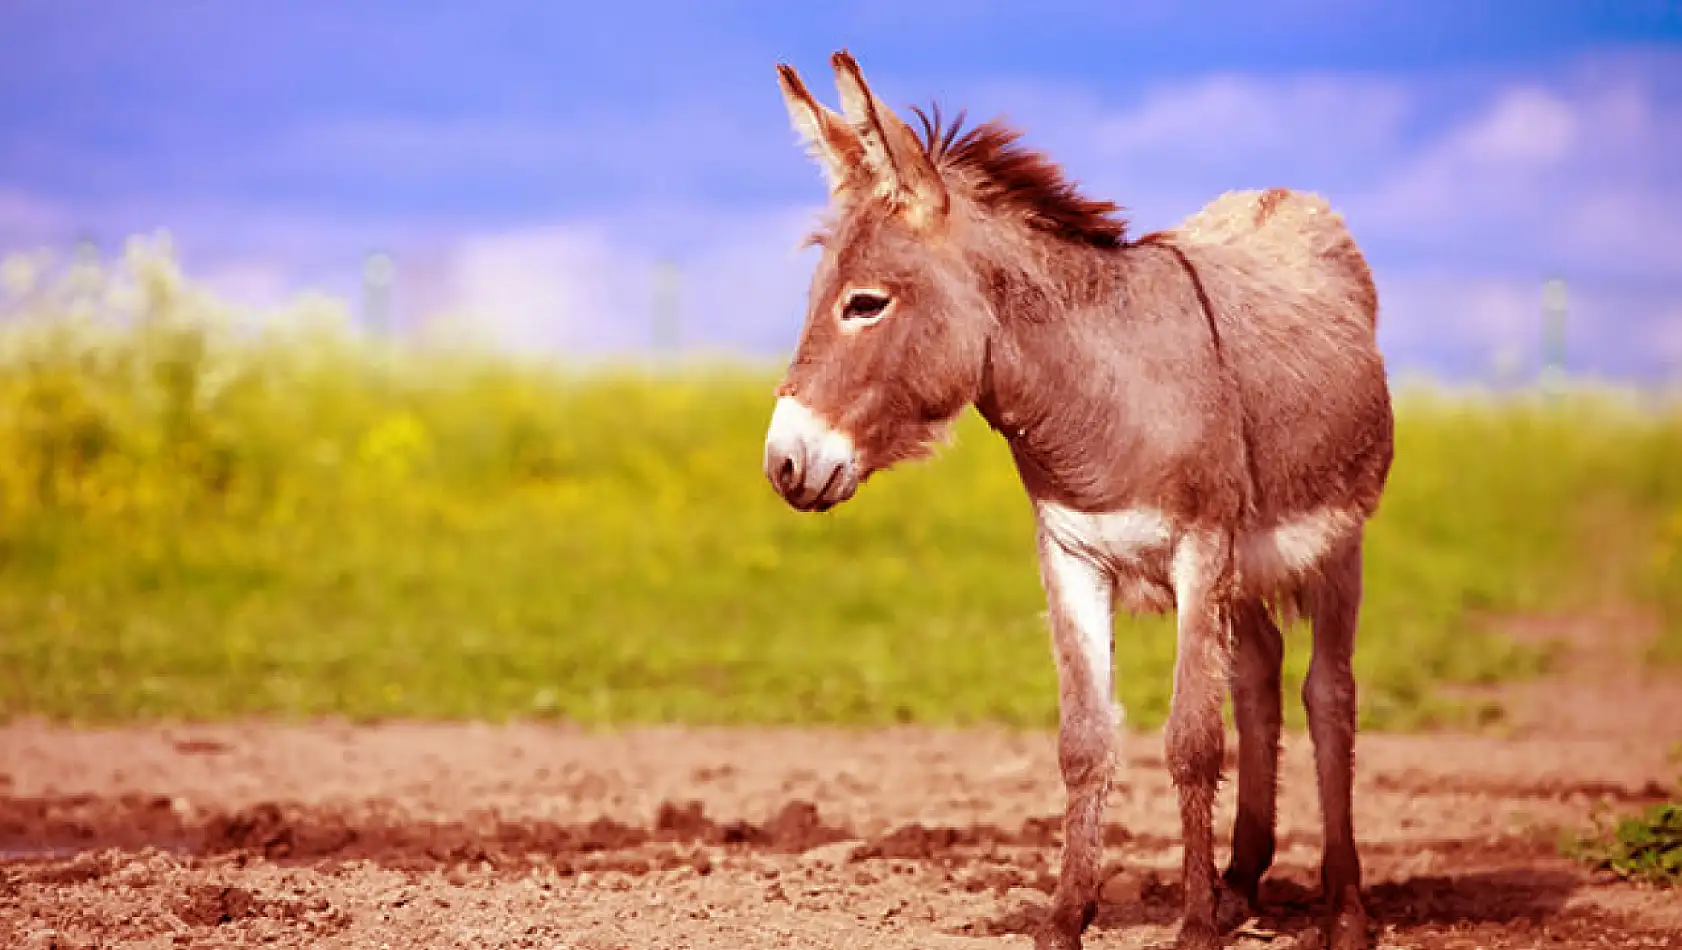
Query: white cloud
(1473,322)
(1524,127)
(1563,175)
(258,284)
(1664,339)
(541,289)
(1482,312)
(578,286)
(27,219)
(747,287)
(1238,116)
(589,288)
(1163,152)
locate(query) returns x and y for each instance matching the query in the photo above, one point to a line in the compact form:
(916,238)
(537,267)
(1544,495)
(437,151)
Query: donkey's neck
(1095,377)
(1060,309)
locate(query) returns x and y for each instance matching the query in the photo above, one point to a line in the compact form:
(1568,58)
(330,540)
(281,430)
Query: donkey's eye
(864,305)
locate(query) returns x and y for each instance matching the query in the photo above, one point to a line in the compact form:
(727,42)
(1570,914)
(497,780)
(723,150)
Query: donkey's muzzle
(811,465)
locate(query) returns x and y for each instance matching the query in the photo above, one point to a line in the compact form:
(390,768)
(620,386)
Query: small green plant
(1645,847)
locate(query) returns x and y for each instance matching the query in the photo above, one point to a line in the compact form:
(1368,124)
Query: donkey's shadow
(1290,907)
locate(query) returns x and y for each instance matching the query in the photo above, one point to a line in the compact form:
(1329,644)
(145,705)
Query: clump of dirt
(273,831)
(218,905)
(796,827)
(84,867)
(48,824)
(918,843)
(687,821)
(212,905)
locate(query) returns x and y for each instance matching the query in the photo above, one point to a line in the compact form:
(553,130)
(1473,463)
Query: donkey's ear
(897,161)
(831,142)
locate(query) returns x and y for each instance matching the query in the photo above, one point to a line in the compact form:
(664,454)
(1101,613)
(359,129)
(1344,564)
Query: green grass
(1645,847)
(200,521)
(1665,589)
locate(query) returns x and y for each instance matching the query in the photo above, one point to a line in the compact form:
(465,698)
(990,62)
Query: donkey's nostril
(786,475)
(786,468)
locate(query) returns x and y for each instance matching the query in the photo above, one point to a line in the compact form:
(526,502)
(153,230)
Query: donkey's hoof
(1232,908)
(1063,926)
(1053,937)
(1348,929)
(1198,936)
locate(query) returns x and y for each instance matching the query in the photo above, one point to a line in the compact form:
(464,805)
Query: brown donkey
(1200,418)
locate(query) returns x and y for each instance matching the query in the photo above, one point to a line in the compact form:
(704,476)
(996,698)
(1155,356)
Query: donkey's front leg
(1203,582)
(1079,594)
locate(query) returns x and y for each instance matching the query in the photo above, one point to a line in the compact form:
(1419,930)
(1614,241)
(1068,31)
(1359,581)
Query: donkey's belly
(1275,560)
(1137,547)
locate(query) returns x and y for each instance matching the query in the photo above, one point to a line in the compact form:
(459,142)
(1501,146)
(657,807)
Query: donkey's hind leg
(1328,694)
(1256,704)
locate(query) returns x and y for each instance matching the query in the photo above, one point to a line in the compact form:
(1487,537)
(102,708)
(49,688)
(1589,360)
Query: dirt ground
(437,835)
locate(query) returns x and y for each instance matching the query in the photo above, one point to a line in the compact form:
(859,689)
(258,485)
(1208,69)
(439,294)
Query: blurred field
(202,517)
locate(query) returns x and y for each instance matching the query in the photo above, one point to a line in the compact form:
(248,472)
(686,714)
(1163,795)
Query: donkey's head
(896,329)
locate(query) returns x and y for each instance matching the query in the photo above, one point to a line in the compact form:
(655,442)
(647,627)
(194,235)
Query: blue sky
(527,163)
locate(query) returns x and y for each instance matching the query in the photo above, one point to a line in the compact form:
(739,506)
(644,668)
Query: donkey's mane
(1006,173)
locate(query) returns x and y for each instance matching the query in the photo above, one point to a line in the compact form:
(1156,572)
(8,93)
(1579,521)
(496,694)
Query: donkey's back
(1297,310)
(1297,238)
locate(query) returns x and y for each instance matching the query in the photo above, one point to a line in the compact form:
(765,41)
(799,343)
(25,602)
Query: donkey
(1200,418)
